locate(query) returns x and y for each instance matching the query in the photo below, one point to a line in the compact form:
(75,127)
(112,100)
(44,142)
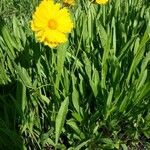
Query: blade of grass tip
(60,119)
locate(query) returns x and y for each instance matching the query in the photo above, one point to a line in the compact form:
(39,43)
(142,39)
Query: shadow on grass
(10,138)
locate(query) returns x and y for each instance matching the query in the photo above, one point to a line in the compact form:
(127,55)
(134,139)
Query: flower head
(51,23)
(69,2)
(101,1)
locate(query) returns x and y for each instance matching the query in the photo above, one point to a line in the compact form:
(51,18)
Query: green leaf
(82,144)
(124,147)
(139,54)
(61,53)
(24,76)
(60,119)
(21,96)
(74,126)
(75,95)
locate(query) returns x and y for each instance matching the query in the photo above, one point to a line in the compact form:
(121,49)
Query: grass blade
(60,119)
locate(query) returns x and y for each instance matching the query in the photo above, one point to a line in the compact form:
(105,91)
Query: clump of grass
(92,92)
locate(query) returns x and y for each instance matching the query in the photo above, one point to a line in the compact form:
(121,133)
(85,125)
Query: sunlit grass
(92,92)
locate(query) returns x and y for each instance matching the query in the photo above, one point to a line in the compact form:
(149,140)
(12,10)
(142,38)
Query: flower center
(52,24)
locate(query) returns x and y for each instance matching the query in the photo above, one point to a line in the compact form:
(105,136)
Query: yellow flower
(69,2)
(101,1)
(51,23)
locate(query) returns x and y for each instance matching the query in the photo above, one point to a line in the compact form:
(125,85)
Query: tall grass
(93,92)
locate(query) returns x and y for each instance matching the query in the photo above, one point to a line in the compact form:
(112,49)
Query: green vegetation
(91,93)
